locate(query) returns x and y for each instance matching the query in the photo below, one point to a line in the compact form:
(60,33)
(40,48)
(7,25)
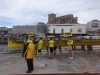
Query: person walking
(40,45)
(51,46)
(29,55)
(70,52)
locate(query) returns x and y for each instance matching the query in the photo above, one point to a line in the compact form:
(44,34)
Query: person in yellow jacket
(70,53)
(25,44)
(29,55)
(51,46)
(40,45)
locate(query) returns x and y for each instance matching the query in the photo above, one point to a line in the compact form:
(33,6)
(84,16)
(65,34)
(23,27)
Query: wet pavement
(82,62)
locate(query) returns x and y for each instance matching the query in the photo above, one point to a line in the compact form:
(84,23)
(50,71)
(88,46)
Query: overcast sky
(29,12)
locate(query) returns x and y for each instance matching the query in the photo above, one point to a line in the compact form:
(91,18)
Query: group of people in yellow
(29,51)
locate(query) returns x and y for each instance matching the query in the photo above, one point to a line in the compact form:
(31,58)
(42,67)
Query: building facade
(23,29)
(39,29)
(52,19)
(43,29)
(92,27)
(10,30)
(56,29)
(3,30)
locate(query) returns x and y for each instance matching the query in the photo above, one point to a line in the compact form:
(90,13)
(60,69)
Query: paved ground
(82,62)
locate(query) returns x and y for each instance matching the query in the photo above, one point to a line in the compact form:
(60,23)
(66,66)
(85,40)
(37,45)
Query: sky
(30,12)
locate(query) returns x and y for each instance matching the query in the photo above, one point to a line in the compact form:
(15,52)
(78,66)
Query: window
(54,30)
(71,30)
(95,25)
(62,30)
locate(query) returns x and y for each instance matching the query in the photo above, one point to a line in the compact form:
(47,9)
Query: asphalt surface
(82,62)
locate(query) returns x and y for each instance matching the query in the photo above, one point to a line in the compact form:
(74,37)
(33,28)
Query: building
(92,27)
(57,29)
(39,29)
(52,19)
(3,30)
(10,30)
(23,29)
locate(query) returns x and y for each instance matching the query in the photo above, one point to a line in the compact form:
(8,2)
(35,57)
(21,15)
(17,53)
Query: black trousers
(30,64)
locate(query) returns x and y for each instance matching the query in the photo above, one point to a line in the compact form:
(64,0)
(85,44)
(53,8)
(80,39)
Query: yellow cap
(29,41)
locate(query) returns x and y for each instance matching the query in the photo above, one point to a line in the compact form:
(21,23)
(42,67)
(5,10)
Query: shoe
(71,58)
(51,58)
(28,71)
(31,70)
(68,57)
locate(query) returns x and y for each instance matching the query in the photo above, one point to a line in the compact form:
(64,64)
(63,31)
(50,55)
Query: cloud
(29,12)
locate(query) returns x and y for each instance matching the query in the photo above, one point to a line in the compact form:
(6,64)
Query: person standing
(34,40)
(70,52)
(29,55)
(40,45)
(60,51)
(47,50)
(25,45)
(51,46)
(55,47)
(89,47)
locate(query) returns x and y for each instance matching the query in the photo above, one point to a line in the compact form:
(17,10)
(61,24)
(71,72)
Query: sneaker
(71,58)
(68,57)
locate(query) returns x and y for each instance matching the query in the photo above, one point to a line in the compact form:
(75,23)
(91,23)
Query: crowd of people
(29,50)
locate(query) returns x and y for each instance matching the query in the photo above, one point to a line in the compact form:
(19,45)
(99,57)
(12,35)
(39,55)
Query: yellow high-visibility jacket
(51,43)
(29,53)
(70,43)
(40,44)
